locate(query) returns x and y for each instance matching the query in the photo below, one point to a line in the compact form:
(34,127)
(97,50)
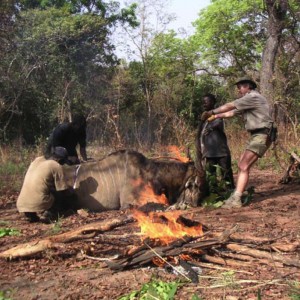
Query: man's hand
(206,115)
(211,118)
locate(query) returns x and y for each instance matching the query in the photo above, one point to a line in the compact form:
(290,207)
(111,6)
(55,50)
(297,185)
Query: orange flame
(176,152)
(167,229)
(147,194)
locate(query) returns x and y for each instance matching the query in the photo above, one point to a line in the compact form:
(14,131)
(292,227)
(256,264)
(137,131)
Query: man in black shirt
(214,146)
(69,135)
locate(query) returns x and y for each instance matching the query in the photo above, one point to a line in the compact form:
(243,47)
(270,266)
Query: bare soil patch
(67,273)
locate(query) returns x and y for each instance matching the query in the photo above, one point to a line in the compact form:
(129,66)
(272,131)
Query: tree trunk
(276,11)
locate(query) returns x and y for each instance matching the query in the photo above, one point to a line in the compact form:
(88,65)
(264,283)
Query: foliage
(248,195)
(61,64)
(230,36)
(259,295)
(218,189)
(8,232)
(294,293)
(195,297)
(8,11)
(58,59)
(228,279)
(105,9)
(13,166)
(231,39)
(5,295)
(267,160)
(155,289)
(54,54)
(56,227)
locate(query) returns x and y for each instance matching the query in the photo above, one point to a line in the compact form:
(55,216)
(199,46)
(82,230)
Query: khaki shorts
(259,143)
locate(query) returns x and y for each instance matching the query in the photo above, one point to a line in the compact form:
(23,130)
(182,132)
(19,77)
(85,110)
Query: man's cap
(60,152)
(246,80)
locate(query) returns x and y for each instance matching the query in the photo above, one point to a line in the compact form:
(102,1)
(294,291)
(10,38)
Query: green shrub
(294,293)
(155,289)
(5,295)
(8,231)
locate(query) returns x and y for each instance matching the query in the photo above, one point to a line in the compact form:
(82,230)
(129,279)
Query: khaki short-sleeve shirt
(42,178)
(255,109)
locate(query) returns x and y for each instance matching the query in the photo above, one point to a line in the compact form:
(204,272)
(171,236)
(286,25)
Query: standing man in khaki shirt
(258,122)
(43,178)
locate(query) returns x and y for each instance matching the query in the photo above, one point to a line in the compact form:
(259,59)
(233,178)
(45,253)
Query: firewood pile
(186,252)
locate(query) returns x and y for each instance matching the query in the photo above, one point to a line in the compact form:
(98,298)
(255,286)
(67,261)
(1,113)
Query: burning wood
(179,252)
(165,226)
(168,240)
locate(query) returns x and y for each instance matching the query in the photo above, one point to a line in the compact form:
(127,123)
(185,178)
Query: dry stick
(83,232)
(235,256)
(262,254)
(250,239)
(226,262)
(242,281)
(295,156)
(217,267)
(100,258)
(277,281)
(248,258)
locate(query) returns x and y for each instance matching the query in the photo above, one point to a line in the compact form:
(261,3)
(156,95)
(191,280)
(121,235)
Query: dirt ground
(64,273)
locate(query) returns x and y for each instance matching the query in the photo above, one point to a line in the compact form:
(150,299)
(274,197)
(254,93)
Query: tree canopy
(58,57)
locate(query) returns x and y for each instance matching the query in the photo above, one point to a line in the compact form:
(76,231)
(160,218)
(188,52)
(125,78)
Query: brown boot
(233,201)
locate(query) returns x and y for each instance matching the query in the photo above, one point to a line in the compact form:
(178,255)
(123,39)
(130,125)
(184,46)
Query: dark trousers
(225,163)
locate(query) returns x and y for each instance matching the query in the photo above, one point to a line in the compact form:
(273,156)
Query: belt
(260,130)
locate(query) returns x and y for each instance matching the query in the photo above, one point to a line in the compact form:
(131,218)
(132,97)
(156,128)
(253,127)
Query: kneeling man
(43,180)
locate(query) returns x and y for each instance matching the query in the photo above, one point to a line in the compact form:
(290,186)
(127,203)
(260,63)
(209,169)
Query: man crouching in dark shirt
(69,135)
(214,147)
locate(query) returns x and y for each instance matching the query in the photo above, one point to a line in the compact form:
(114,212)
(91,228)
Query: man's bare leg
(248,158)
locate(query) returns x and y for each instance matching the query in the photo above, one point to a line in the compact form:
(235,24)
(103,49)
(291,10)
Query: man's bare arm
(224,108)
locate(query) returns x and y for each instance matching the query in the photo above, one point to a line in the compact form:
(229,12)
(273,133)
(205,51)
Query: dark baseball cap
(61,152)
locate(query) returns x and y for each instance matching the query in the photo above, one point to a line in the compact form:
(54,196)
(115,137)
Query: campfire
(166,229)
(164,236)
